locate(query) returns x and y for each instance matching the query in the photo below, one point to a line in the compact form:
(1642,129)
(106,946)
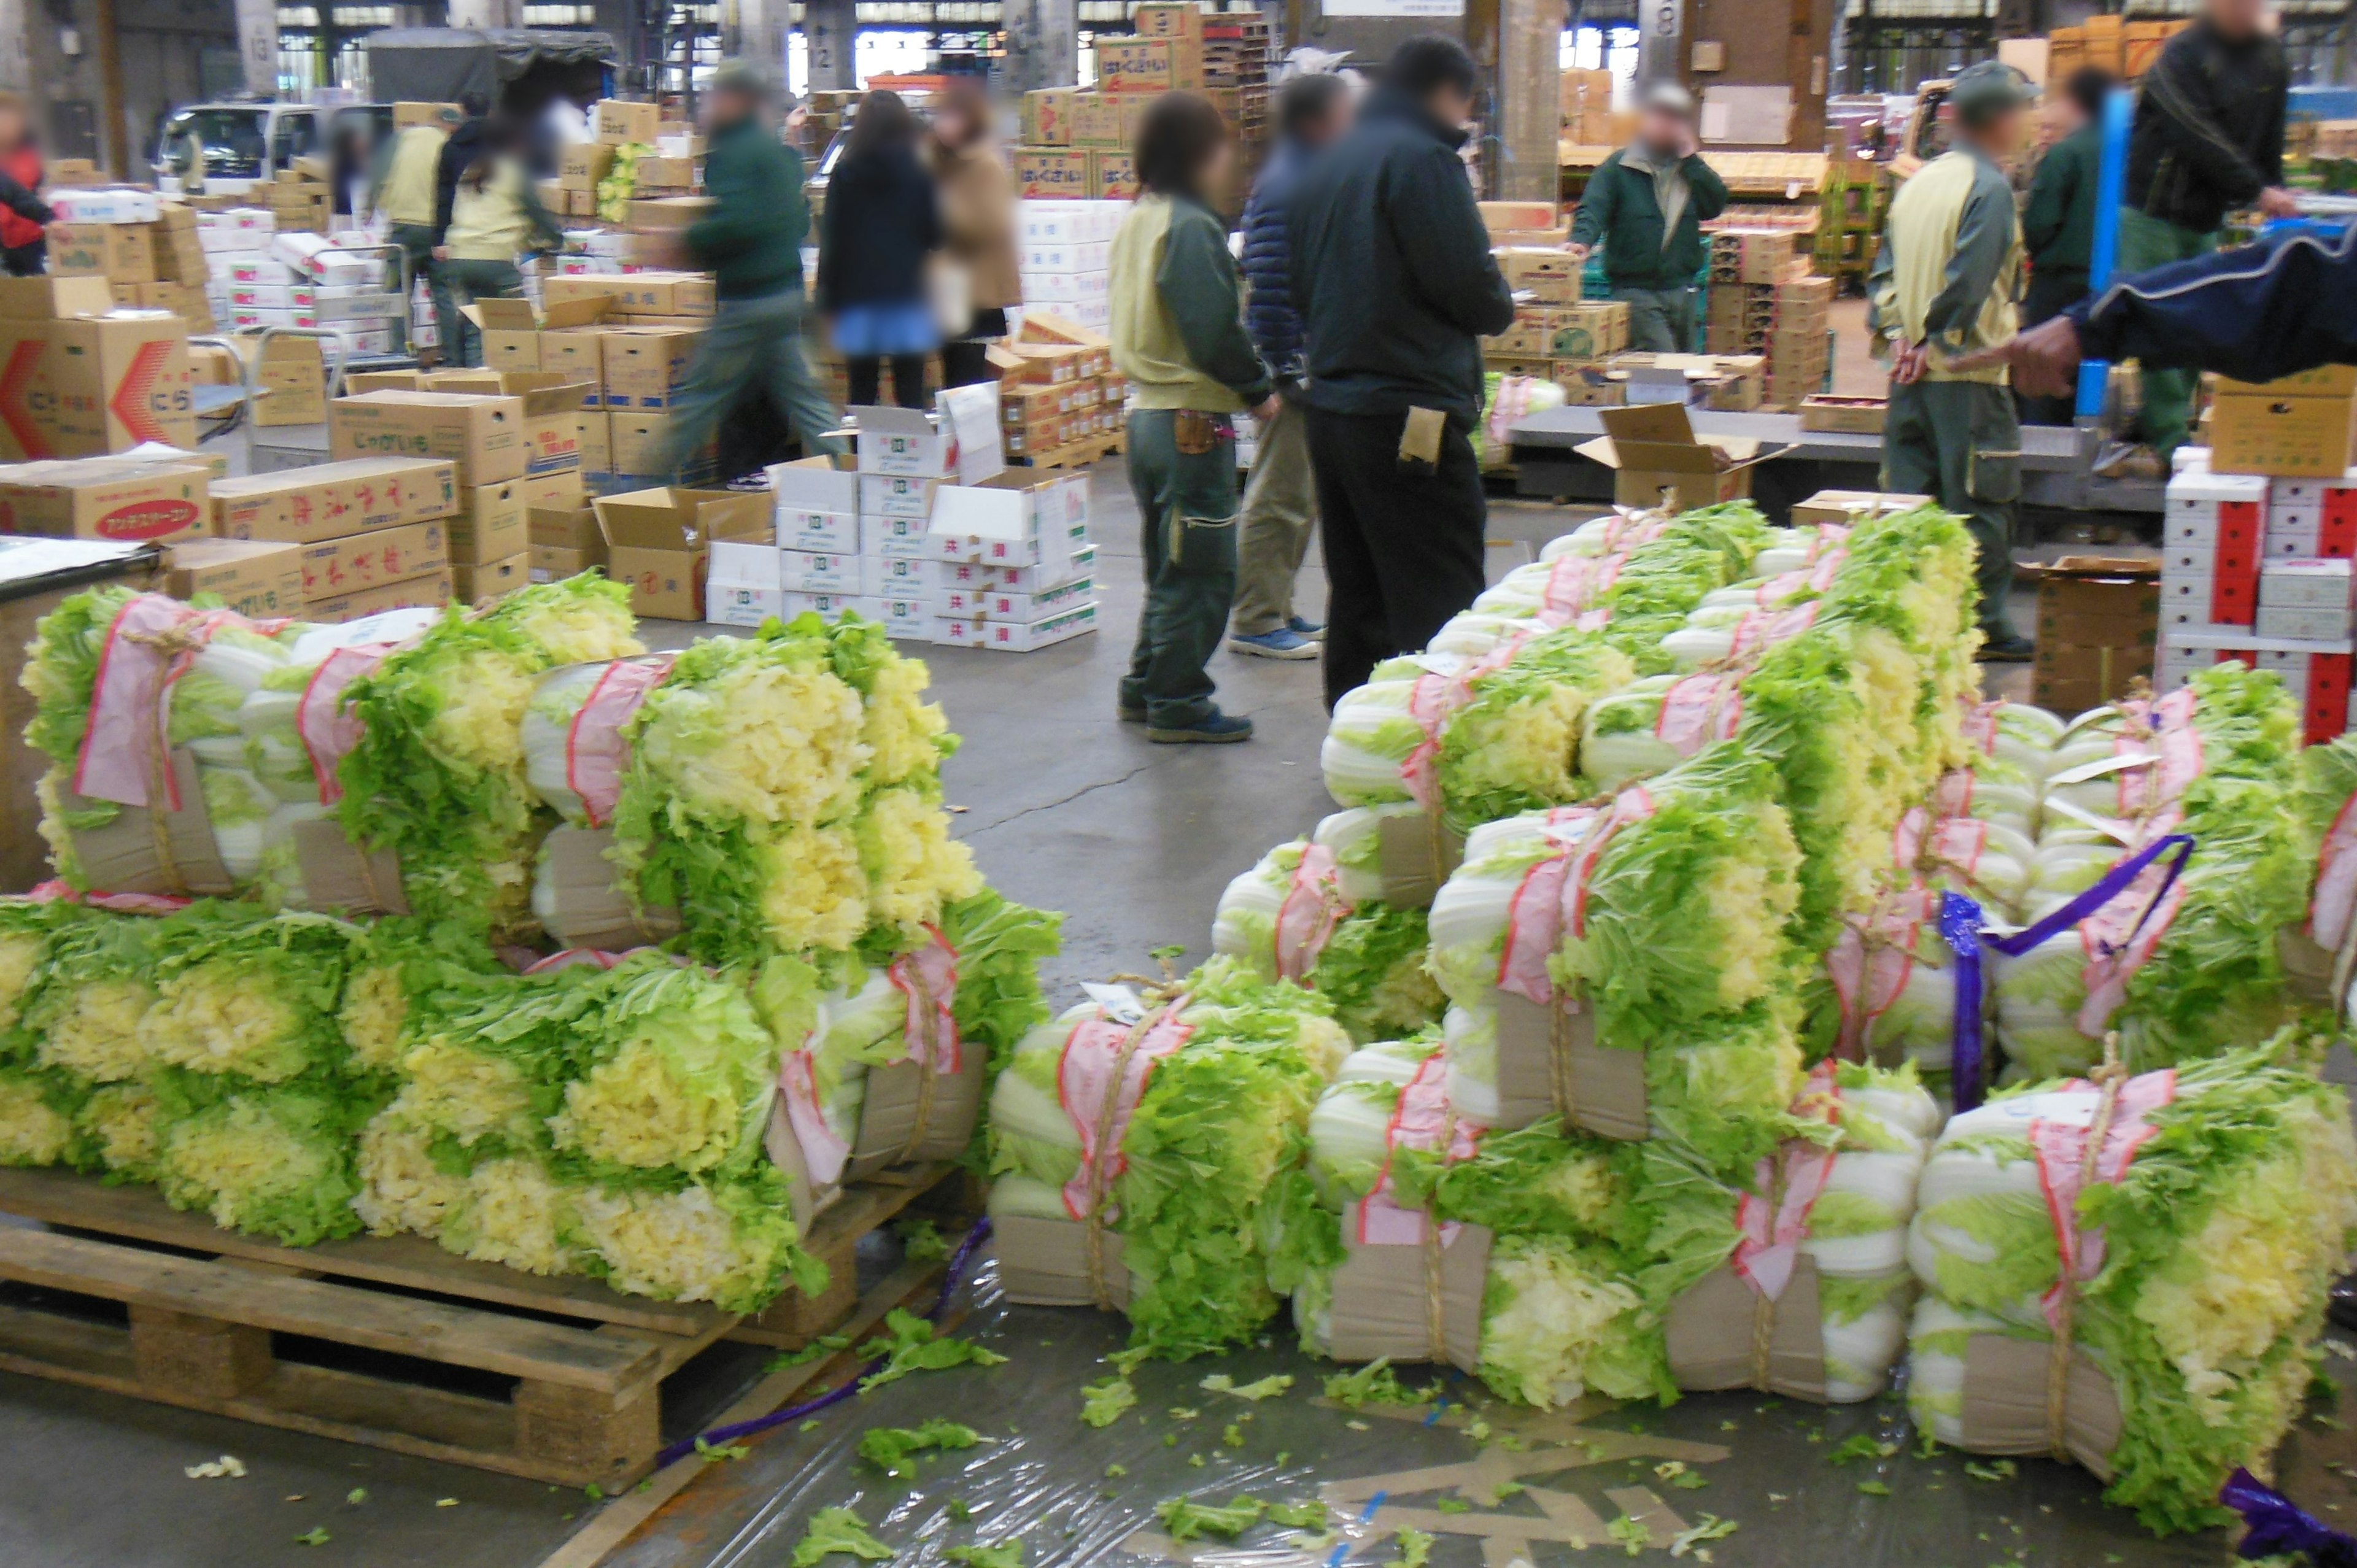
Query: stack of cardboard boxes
(144,248)
(1587,117)
(78,378)
(2121,47)
(1059,398)
(1077,143)
(2259,535)
(351,537)
(1764,300)
(1556,334)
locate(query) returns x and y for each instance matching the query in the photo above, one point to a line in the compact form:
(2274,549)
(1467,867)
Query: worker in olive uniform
(1943,286)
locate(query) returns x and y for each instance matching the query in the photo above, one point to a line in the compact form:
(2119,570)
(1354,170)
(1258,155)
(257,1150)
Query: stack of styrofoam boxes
(2260,570)
(233,239)
(812,562)
(1065,247)
(1013,568)
(280,279)
(591,251)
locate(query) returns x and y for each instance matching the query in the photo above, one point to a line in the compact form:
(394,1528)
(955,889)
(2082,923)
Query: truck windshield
(233,140)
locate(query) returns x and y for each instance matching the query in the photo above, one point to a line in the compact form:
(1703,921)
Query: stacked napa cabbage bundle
(1368,958)
(2215,978)
(2203,1306)
(232,662)
(1594,1242)
(783,791)
(1682,952)
(1219,1121)
(438,775)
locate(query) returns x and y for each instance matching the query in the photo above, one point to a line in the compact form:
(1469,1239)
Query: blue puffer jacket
(1268,263)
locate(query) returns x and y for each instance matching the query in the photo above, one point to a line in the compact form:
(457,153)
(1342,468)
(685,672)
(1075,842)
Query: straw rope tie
(1559,1068)
(1129,1045)
(1763,1309)
(2109,1079)
(928,1075)
(1435,1307)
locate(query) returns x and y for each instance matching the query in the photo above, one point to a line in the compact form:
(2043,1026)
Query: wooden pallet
(1077,454)
(204,1306)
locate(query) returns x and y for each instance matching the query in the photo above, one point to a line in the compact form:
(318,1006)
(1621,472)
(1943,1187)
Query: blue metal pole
(2119,115)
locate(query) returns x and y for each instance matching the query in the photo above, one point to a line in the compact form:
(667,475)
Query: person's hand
(1687,146)
(441,252)
(1907,365)
(1578,251)
(2277,202)
(2044,360)
(1268,408)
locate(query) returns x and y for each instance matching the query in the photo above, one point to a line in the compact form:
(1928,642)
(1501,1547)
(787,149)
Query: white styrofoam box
(273,296)
(2189,560)
(2188,458)
(2177,612)
(749,566)
(2205,486)
(1079,559)
(1032,608)
(258,269)
(956,631)
(833,607)
(1048,221)
(2307,510)
(231,241)
(807,487)
(2307,583)
(1096,313)
(2293,492)
(891,576)
(238,219)
(958,601)
(903,442)
(2183,522)
(106,204)
(2190,591)
(896,495)
(2293,666)
(586,266)
(249,316)
(1021,637)
(820,532)
(907,618)
(2303,621)
(808,572)
(612,245)
(726,604)
(2171,667)
(1056,289)
(895,536)
(1066,256)
(2293,538)
(362,339)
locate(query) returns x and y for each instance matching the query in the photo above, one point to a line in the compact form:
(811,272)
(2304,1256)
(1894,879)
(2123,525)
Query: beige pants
(1280,513)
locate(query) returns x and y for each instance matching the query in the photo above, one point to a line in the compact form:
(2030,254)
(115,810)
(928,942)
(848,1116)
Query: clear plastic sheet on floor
(1492,1483)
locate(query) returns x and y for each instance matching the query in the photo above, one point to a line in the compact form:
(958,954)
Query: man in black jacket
(458,154)
(1392,277)
(2208,139)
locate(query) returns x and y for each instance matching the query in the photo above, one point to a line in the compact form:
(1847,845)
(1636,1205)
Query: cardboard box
(644,367)
(333,568)
(53,298)
(483,435)
(1846,506)
(1048,114)
(553,563)
(659,542)
(2297,435)
(620,122)
(1516,216)
(258,580)
(571,527)
(292,374)
(2098,620)
(442,116)
(1657,459)
(427,591)
(1149,65)
(581,164)
(1051,172)
(1851,416)
(1550,277)
(1113,176)
(563,489)
(92,385)
(108,498)
(1595,331)
(472,584)
(635,293)
(489,524)
(634,441)
(904,442)
(664,173)
(328,500)
(123,253)
(552,419)
(1752,255)
(596,441)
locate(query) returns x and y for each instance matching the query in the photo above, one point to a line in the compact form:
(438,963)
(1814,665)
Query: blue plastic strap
(1960,925)
(2111,185)
(2279,1527)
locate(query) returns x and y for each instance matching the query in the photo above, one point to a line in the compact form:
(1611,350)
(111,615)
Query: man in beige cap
(1646,205)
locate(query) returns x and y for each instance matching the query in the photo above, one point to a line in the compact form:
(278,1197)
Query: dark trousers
(1960,442)
(866,375)
(1403,549)
(966,362)
(1187,511)
(30,259)
(2050,293)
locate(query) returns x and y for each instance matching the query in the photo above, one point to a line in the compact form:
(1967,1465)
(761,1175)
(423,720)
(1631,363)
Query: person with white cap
(1646,205)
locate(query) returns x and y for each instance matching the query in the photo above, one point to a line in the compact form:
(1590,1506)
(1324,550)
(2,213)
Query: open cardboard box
(659,541)
(1657,459)
(512,328)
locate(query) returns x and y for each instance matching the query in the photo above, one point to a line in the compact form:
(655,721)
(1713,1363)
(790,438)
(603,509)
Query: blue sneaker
(1219,729)
(1308,629)
(1282,643)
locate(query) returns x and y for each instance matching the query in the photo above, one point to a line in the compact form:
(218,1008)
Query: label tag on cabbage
(1119,1001)
(2087,771)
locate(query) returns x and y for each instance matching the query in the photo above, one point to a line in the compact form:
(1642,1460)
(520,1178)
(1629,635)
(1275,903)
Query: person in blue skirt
(880,229)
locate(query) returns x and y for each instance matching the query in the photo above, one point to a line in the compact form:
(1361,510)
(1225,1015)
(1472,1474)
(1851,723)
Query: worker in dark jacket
(751,241)
(2208,139)
(460,152)
(1646,205)
(2058,227)
(1281,497)
(2256,313)
(1393,276)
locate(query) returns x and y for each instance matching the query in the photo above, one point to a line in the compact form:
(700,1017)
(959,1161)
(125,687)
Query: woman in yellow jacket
(495,217)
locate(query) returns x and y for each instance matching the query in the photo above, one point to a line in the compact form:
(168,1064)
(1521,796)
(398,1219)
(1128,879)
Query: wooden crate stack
(1763,300)
(1854,207)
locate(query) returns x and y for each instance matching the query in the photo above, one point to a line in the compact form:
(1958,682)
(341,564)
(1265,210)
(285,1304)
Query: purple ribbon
(2279,1525)
(959,1262)
(1960,925)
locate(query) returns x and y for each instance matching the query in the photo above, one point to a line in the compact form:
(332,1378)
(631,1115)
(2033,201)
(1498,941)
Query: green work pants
(468,281)
(2145,243)
(1960,442)
(416,243)
(753,345)
(1280,514)
(1186,512)
(1661,321)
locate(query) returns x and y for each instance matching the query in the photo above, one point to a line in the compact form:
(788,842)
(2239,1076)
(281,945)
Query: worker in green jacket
(1178,335)
(1943,286)
(2058,227)
(1646,205)
(752,243)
